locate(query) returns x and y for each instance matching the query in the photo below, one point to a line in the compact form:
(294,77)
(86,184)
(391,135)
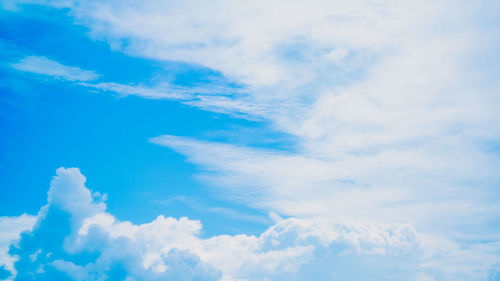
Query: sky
(249,140)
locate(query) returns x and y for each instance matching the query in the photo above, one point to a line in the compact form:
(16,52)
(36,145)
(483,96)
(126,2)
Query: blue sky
(155,140)
(113,130)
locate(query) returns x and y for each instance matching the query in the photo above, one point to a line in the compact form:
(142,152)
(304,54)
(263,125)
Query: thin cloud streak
(44,66)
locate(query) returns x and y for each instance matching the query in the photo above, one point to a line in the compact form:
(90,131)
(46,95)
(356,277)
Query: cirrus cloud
(44,66)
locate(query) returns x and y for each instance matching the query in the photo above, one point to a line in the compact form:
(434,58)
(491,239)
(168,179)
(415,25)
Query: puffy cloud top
(75,238)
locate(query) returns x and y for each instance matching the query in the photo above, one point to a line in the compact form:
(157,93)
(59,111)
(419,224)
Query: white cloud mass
(75,237)
(395,117)
(10,230)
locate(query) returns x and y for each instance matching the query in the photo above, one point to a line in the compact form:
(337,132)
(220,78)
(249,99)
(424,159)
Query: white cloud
(162,91)
(372,187)
(211,97)
(78,273)
(249,42)
(390,116)
(10,231)
(394,120)
(62,235)
(45,66)
(173,249)
(355,187)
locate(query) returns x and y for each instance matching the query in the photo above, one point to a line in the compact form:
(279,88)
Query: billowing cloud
(10,231)
(63,245)
(75,238)
(45,66)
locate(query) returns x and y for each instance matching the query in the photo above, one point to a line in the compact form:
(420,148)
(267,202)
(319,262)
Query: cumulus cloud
(56,248)
(10,231)
(82,241)
(45,66)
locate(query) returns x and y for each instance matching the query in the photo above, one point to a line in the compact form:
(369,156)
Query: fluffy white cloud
(45,66)
(63,245)
(10,231)
(82,241)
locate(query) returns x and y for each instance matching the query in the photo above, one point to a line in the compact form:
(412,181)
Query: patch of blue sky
(4,273)
(48,123)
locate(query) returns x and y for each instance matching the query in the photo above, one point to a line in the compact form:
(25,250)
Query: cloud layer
(75,238)
(393,118)
(395,123)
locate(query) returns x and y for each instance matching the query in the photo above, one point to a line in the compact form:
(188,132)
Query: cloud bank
(75,238)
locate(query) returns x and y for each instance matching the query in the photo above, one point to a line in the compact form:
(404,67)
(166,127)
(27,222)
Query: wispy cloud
(45,66)
(214,96)
(373,186)
(227,212)
(165,90)
(211,97)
